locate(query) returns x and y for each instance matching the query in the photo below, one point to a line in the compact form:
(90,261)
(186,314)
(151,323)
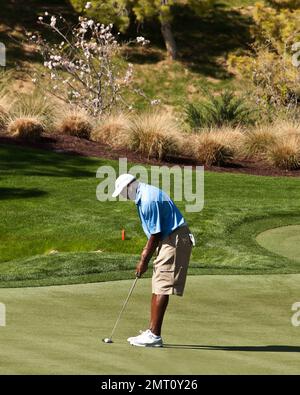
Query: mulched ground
(77,146)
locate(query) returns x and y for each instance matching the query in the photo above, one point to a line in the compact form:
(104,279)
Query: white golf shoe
(132,337)
(146,339)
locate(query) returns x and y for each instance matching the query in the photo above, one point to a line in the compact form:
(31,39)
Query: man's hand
(141,268)
(147,253)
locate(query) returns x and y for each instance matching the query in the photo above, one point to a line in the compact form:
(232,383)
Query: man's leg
(159,305)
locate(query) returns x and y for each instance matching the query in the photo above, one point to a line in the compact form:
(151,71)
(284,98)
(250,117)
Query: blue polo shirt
(157,212)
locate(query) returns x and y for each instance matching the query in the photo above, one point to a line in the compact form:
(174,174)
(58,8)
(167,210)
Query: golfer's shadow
(270,348)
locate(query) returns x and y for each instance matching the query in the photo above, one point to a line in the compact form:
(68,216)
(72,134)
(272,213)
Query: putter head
(107,340)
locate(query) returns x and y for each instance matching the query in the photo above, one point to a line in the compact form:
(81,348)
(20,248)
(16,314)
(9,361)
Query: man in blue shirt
(169,235)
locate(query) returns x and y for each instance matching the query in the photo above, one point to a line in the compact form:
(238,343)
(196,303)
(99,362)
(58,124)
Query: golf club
(109,339)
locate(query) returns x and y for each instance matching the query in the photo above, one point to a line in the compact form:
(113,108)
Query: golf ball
(107,340)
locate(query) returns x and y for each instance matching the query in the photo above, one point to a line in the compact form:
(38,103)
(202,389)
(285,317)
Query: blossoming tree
(84,66)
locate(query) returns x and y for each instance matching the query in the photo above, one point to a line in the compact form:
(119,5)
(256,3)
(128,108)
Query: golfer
(168,235)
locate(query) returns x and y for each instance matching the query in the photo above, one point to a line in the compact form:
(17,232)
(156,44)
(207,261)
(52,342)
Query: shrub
(195,116)
(258,141)
(225,109)
(76,123)
(154,134)
(285,154)
(210,150)
(27,129)
(113,130)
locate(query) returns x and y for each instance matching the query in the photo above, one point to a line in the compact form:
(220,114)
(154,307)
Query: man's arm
(147,253)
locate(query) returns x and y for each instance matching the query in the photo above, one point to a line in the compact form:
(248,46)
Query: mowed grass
(53,230)
(284,241)
(222,325)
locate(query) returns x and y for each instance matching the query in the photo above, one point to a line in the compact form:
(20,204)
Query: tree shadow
(269,348)
(37,162)
(203,41)
(20,193)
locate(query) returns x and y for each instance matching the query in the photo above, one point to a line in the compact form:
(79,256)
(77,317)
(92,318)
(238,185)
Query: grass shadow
(20,193)
(37,162)
(269,348)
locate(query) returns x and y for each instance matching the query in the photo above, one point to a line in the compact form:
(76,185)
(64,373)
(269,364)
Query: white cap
(121,182)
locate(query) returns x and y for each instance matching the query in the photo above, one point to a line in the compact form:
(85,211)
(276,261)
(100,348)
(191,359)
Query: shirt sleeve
(152,217)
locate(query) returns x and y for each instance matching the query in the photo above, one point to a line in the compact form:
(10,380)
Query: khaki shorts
(171,264)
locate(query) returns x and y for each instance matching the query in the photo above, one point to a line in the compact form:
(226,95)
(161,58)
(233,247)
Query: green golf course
(223,324)
(65,272)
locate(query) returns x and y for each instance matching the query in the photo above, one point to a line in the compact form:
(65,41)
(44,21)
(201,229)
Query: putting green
(284,241)
(224,324)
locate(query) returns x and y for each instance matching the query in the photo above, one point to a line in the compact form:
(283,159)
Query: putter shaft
(123,308)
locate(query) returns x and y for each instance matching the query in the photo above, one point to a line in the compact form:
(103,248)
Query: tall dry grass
(258,141)
(154,134)
(26,128)
(74,122)
(35,104)
(211,149)
(3,118)
(5,104)
(213,146)
(285,153)
(113,130)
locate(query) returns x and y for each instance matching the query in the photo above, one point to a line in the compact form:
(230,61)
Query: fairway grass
(223,324)
(284,241)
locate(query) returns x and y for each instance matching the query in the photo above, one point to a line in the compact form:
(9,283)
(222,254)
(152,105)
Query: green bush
(224,110)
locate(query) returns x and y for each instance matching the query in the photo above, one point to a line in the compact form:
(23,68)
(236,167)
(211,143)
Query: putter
(109,339)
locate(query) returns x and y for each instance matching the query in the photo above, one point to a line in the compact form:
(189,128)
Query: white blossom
(90,22)
(53,21)
(155,102)
(88,5)
(142,40)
